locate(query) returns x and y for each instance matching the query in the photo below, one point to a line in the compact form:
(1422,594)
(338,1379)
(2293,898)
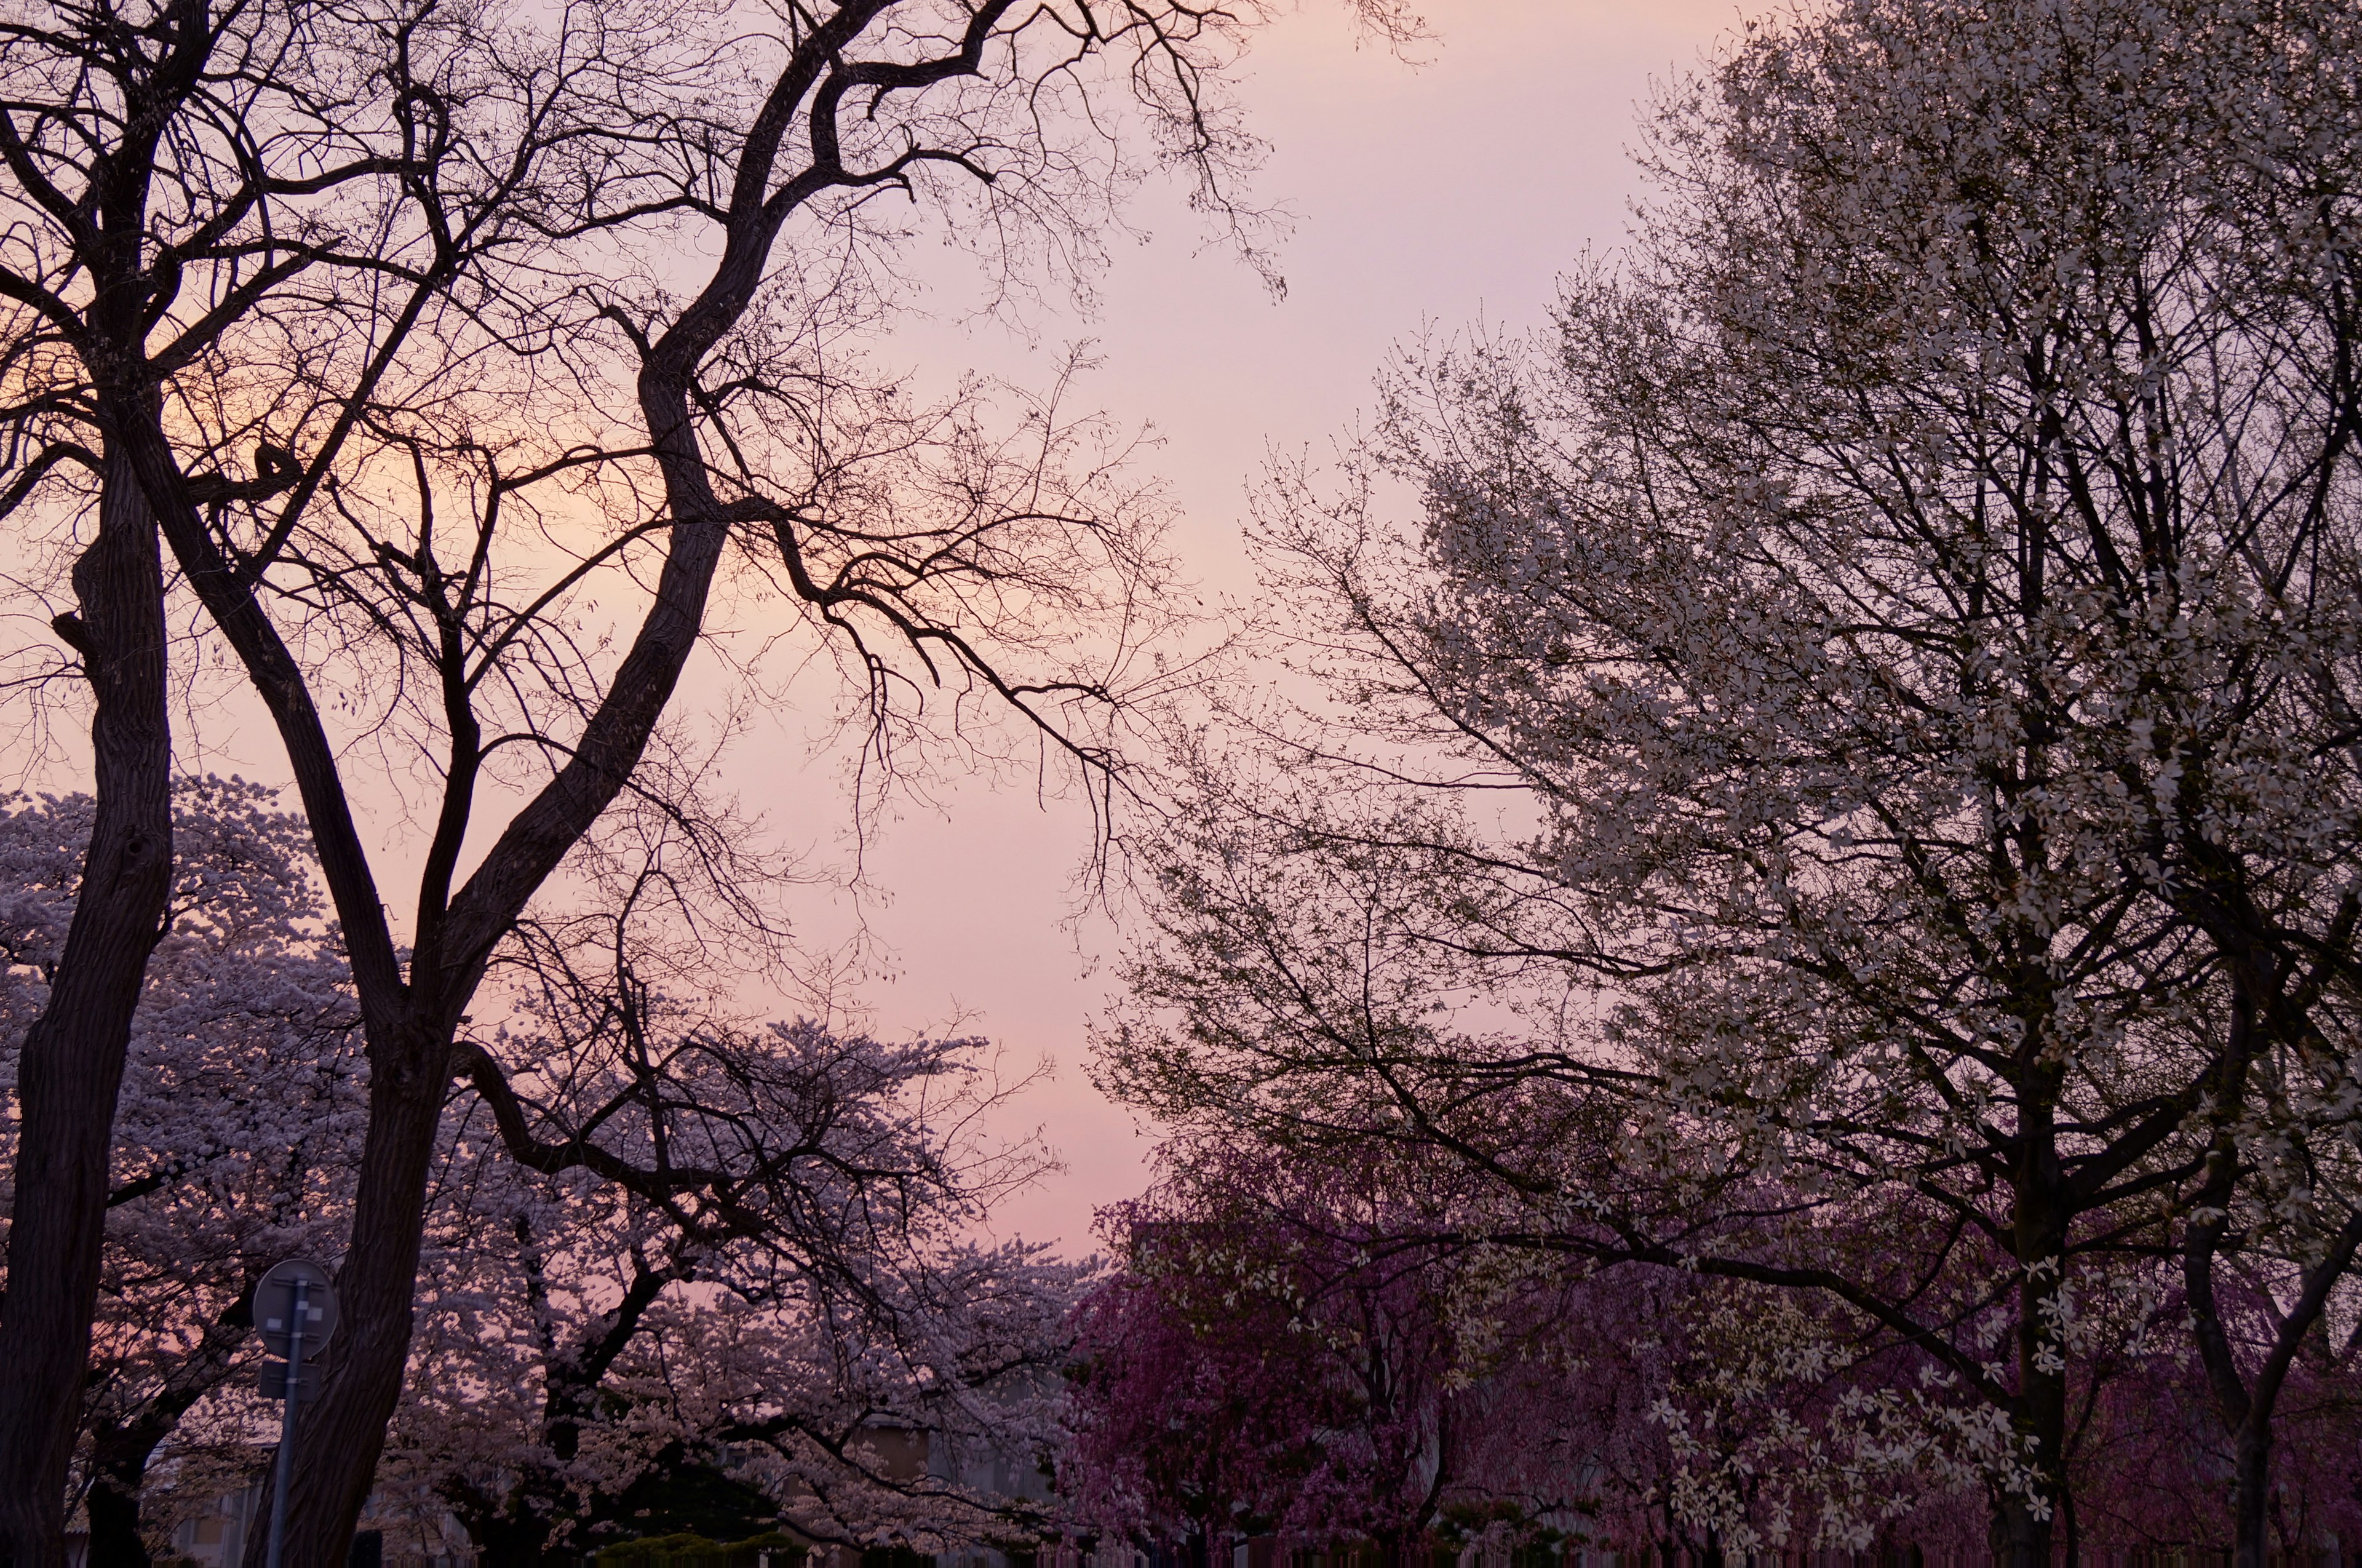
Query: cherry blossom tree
(231,226)
(822,1287)
(662,1233)
(241,1105)
(1854,732)
(743,1239)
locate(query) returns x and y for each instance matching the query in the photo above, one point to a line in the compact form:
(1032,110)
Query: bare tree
(567,429)
(231,225)
(141,149)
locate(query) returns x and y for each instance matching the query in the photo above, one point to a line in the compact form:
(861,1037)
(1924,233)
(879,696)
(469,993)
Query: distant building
(216,1537)
(433,1536)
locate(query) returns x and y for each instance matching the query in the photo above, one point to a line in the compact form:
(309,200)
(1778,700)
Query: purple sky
(1443,194)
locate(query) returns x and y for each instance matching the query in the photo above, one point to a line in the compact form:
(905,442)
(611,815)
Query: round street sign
(274,1307)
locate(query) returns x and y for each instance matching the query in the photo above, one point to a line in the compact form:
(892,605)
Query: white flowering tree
(1875,688)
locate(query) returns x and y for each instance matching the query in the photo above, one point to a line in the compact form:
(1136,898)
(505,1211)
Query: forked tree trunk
(411,1026)
(70,1066)
(2247,1404)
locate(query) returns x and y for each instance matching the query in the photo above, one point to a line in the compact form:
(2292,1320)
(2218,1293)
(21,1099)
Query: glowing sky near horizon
(1439,196)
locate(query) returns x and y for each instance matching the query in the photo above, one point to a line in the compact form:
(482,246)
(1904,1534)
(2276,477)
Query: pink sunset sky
(1442,194)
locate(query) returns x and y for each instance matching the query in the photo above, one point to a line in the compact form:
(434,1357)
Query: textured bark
(364,1368)
(2251,1467)
(2041,1218)
(71,1065)
(73,1056)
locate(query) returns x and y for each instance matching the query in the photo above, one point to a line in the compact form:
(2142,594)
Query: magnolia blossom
(1839,775)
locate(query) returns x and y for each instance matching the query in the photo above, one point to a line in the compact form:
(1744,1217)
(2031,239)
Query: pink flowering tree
(239,1111)
(1218,1401)
(807,1307)
(1303,1350)
(1293,1350)
(735,1235)
(669,1234)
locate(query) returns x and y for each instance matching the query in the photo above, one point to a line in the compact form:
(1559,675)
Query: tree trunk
(2020,1539)
(2023,1526)
(72,1062)
(508,1530)
(2246,1410)
(338,1436)
(115,1540)
(119,1459)
(119,1471)
(2251,1473)
(2072,1557)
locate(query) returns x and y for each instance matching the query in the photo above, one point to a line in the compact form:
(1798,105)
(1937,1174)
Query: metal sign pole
(287,1424)
(295,1309)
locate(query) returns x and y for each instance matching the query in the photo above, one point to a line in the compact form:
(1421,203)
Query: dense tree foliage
(1311,1353)
(666,1234)
(589,1337)
(241,1107)
(1282,1353)
(1791,979)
